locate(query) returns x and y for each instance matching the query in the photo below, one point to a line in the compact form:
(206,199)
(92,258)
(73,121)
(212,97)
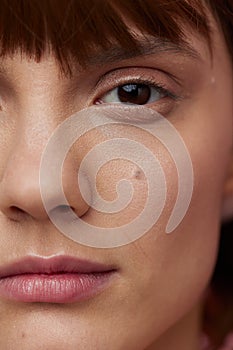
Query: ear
(227,210)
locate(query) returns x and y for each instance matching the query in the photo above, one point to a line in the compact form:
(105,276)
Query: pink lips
(60,279)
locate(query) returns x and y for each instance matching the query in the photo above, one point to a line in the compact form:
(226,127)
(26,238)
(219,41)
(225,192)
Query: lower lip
(54,288)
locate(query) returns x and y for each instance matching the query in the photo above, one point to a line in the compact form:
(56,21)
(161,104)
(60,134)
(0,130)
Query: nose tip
(20,194)
(20,191)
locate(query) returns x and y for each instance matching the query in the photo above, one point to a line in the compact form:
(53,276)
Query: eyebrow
(146,47)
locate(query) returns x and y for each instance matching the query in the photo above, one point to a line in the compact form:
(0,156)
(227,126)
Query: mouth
(60,279)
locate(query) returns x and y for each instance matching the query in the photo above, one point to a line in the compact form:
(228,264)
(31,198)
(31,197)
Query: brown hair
(75,29)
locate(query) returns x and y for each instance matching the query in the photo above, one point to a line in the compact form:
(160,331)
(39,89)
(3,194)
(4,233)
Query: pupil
(134,93)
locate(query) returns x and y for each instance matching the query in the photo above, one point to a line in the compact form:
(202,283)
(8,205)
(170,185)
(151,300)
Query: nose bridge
(19,187)
(19,184)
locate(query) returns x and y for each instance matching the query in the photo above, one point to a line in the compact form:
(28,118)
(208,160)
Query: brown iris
(134,93)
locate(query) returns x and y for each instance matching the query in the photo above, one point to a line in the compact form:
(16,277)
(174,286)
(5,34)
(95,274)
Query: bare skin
(155,300)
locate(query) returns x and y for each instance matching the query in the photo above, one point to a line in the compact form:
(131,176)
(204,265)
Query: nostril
(62,212)
(15,213)
(16,210)
(62,209)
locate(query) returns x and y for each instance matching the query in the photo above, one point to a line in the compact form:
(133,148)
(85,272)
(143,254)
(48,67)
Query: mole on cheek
(138,174)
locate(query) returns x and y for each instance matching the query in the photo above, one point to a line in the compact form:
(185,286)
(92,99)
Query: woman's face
(160,277)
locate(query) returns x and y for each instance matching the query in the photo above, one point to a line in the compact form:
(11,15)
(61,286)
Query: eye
(134,93)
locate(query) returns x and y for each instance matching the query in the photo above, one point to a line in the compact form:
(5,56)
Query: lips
(60,279)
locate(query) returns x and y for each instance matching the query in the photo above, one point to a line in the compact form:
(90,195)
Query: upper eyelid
(115,70)
(159,87)
(136,81)
(137,74)
(110,75)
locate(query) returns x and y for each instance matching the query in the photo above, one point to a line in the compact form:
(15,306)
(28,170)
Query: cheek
(169,272)
(108,185)
(209,137)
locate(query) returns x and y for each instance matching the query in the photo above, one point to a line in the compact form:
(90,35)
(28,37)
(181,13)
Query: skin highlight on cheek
(117,148)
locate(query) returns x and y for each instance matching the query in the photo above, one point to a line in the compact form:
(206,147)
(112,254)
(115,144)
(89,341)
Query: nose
(20,195)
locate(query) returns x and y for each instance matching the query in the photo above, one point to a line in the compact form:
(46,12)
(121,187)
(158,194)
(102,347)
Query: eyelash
(148,82)
(158,86)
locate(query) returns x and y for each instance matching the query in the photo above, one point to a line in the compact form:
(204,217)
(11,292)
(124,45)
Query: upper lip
(52,265)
